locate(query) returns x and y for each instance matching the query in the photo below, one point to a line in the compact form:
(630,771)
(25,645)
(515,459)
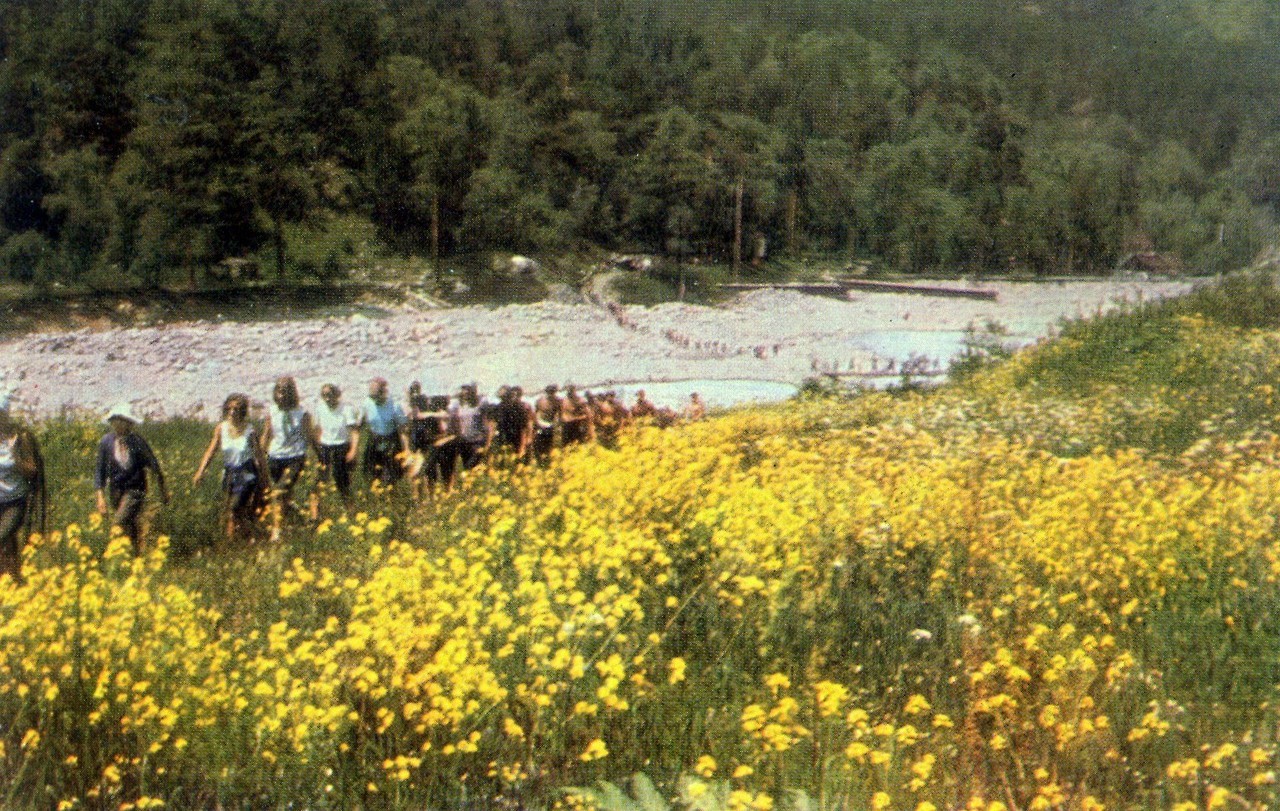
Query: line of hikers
(428,442)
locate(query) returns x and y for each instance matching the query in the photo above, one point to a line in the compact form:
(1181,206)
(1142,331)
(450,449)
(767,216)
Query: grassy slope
(1085,533)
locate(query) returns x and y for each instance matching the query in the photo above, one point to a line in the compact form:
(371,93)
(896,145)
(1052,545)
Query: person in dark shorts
(472,423)
(429,441)
(609,416)
(513,423)
(388,443)
(286,438)
(576,418)
(546,418)
(441,464)
(21,483)
(336,438)
(243,467)
(120,474)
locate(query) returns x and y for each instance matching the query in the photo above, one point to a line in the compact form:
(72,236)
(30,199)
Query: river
(759,347)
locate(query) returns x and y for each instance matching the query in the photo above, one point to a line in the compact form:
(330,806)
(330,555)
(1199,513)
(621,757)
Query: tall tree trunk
(279,239)
(435,237)
(738,193)
(793,205)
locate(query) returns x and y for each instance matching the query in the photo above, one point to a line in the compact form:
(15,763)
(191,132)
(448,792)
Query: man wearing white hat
(120,474)
(21,480)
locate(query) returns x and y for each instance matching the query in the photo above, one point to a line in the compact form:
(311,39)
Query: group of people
(428,441)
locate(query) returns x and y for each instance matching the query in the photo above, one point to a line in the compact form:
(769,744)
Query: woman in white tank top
(243,467)
(20,474)
(287,436)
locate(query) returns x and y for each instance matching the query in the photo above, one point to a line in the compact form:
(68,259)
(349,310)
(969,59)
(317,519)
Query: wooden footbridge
(840,288)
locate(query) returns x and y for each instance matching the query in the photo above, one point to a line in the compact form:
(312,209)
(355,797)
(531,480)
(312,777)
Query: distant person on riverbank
(576,418)
(336,434)
(120,474)
(21,485)
(471,422)
(644,409)
(607,418)
(546,418)
(287,436)
(243,467)
(388,442)
(620,410)
(696,409)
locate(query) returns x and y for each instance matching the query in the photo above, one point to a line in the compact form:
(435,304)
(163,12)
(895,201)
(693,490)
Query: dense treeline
(147,140)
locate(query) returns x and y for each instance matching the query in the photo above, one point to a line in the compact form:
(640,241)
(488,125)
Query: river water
(759,347)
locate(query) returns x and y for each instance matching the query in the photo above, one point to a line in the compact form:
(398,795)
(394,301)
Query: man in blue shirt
(120,474)
(388,436)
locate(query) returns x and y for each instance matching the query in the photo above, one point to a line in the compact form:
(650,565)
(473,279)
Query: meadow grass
(1049,586)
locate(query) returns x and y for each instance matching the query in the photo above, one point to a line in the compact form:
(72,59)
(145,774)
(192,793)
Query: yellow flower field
(980,598)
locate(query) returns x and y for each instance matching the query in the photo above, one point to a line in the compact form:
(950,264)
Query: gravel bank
(187,368)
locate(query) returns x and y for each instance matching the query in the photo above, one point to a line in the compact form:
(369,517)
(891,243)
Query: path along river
(758,347)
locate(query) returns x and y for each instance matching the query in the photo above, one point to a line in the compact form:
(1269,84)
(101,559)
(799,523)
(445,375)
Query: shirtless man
(514,422)
(620,411)
(696,409)
(608,418)
(644,407)
(546,416)
(576,418)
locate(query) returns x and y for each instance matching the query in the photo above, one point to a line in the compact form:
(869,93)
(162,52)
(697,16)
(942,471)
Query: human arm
(260,459)
(154,464)
(100,476)
(490,428)
(526,435)
(215,445)
(27,455)
(264,441)
(353,441)
(402,431)
(311,433)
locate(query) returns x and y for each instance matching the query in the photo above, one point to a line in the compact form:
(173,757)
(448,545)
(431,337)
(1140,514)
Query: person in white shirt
(471,422)
(286,437)
(336,437)
(243,466)
(21,484)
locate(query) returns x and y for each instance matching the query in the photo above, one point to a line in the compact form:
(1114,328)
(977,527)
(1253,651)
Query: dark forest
(145,141)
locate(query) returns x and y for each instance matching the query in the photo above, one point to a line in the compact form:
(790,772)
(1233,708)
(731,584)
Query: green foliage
(982,347)
(152,141)
(27,257)
(608,796)
(1169,373)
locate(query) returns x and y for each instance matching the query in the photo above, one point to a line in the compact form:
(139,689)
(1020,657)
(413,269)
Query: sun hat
(123,411)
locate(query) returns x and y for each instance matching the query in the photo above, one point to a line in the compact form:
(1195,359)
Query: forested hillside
(148,140)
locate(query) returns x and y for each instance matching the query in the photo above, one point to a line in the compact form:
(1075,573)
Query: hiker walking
(243,467)
(286,437)
(387,443)
(21,488)
(336,437)
(120,474)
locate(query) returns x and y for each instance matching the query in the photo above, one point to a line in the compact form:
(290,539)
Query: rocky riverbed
(187,368)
